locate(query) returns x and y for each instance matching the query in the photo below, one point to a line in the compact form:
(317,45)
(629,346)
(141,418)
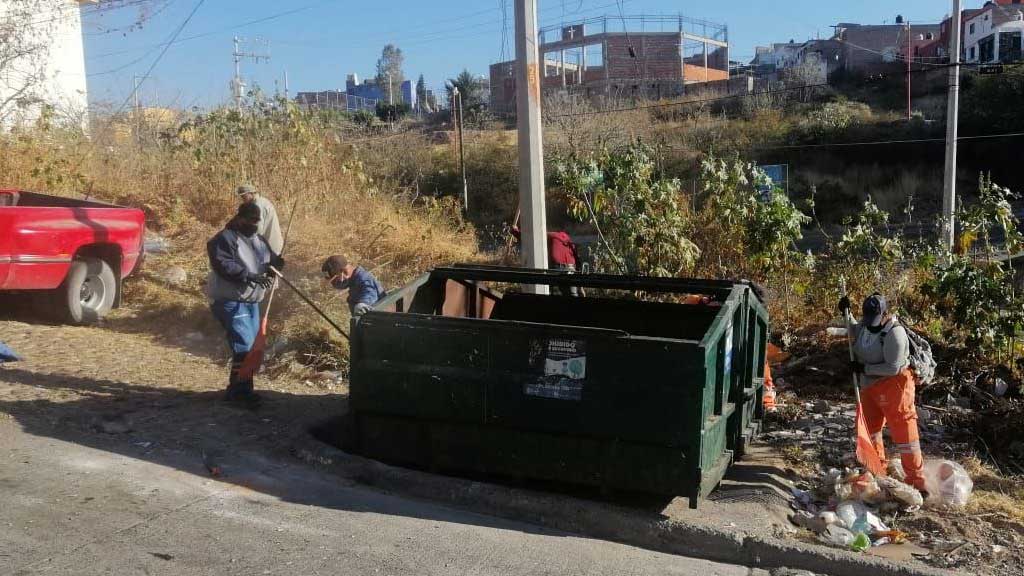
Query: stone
(175,276)
(821,407)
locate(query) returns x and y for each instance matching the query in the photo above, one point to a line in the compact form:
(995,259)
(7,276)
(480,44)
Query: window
(971,54)
(1009,46)
(972,27)
(929,36)
(987,48)
(595,56)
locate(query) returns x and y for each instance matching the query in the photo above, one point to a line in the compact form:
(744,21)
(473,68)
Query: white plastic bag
(947,483)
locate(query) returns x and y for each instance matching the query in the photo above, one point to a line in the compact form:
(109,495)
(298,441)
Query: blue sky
(320,41)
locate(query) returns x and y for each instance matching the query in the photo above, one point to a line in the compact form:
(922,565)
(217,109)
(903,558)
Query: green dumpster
(617,393)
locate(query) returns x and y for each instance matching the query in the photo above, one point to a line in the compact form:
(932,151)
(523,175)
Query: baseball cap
(245,189)
(874,309)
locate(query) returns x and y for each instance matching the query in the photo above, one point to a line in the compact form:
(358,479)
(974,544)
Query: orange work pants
(891,400)
(769,388)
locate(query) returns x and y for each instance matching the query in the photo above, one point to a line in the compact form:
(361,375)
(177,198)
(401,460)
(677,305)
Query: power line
(214,32)
(888,142)
(142,18)
(152,66)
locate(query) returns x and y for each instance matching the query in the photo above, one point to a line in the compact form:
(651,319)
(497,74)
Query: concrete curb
(601,520)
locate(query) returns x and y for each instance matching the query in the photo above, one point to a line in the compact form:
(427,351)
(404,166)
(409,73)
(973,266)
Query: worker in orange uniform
(774,354)
(882,351)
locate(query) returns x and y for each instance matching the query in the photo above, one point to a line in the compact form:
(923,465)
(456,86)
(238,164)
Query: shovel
(866,453)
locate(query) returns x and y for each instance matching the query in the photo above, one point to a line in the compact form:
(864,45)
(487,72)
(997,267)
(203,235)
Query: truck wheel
(88,291)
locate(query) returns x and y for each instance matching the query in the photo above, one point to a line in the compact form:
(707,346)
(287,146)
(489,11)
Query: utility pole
(531,148)
(909,58)
(952,118)
(237,84)
(460,126)
(391,91)
(286,84)
(137,106)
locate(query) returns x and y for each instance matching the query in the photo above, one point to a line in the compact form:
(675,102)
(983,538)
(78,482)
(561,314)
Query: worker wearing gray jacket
(882,351)
(269,227)
(239,263)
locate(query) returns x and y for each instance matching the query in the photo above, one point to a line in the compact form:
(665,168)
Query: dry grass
(184,181)
(994,492)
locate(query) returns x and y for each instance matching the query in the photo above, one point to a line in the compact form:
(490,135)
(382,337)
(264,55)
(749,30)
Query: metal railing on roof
(638,25)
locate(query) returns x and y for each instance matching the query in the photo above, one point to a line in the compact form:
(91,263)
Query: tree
(422,96)
(389,73)
(472,90)
(25,39)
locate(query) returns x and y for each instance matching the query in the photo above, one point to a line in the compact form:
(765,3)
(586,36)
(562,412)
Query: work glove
(277,262)
(260,280)
(844,304)
(856,367)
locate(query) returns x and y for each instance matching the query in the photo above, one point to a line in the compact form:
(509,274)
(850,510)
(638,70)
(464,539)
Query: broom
(866,453)
(254,359)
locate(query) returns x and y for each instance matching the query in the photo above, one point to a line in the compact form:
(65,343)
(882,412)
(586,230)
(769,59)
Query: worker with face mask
(240,260)
(364,290)
(882,351)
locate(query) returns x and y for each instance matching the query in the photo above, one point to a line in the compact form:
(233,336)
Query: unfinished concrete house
(623,57)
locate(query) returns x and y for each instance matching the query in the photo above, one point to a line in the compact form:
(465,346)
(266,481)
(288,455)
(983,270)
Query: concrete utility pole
(952,118)
(460,127)
(237,84)
(531,147)
(910,58)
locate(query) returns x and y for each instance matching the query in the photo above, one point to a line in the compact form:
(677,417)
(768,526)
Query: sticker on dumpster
(728,349)
(561,368)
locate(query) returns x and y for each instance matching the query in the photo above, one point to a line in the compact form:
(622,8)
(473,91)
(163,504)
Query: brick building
(623,56)
(873,49)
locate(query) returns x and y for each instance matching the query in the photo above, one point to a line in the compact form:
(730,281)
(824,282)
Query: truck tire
(88,291)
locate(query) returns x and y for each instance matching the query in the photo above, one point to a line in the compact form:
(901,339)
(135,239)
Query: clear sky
(318,42)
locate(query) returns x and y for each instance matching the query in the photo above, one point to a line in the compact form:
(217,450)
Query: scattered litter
(861,542)
(7,355)
(834,331)
(837,536)
(947,483)
(155,244)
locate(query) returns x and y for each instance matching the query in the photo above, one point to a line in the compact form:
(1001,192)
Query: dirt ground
(986,537)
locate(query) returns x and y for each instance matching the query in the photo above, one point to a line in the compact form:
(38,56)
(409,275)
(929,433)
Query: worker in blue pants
(240,260)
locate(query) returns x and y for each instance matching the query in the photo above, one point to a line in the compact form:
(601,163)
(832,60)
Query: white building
(42,60)
(994,34)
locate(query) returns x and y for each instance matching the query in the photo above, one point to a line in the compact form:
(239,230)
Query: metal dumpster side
(440,380)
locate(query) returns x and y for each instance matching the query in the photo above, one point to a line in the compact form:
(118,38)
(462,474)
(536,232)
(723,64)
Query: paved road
(70,509)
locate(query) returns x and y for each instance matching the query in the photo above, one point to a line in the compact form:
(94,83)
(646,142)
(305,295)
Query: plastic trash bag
(856,517)
(947,483)
(7,355)
(861,542)
(904,494)
(837,536)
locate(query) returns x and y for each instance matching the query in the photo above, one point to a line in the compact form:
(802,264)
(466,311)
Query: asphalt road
(66,508)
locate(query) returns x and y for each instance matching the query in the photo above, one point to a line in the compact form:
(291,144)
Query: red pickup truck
(74,253)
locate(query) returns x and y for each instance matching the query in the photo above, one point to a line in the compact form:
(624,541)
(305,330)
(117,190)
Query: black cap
(874,309)
(249,211)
